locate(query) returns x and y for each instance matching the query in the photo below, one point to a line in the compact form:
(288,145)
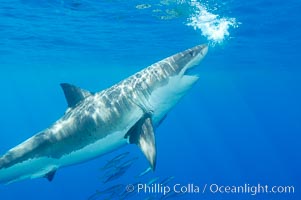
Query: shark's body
(95,124)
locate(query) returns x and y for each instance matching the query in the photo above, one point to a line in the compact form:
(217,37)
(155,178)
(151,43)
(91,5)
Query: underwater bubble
(212,26)
(143,6)
(157,10)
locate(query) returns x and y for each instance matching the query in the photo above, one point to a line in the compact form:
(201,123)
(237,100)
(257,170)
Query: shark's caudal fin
(74,94)
(142,134)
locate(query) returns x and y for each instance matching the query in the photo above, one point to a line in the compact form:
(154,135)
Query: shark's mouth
(192,67)
(192,71)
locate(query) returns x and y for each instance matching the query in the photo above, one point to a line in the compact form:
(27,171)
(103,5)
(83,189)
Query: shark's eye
(192,53)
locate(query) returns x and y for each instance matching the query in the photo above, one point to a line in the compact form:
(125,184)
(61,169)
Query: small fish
(167,180)
(127,163)
(114,161)
(115,189)
(118,171)
(146,171)
(153,180)
(172,194)
(120,156)
(114,176)
(99,194)
(151,198)
(94,196)
(110,164)
(127,195)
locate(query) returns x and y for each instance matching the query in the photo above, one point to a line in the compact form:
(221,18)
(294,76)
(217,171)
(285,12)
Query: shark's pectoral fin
(74,94)
(147,142)
(50,175)
(142,134)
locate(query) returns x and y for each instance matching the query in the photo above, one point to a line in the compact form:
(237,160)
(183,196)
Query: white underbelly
(39,167)
(100,147)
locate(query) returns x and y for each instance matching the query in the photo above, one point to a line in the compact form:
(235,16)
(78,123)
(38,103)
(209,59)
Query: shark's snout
(198,52)
(194,56)
(204,50)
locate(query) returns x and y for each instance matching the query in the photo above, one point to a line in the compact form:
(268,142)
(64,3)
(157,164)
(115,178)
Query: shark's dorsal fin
(74,94)
(142,134)
(50,175)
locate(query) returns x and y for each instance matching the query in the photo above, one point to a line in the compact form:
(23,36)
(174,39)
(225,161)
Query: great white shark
(98,123)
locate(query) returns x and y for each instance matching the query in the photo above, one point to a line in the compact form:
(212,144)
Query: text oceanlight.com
(210,188)
(251,189)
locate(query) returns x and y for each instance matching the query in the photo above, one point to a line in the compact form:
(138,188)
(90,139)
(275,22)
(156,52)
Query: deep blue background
(240,124)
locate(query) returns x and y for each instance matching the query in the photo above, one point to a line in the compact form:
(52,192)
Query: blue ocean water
(239,125)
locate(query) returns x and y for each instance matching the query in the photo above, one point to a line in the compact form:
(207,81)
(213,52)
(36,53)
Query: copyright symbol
(130,188)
